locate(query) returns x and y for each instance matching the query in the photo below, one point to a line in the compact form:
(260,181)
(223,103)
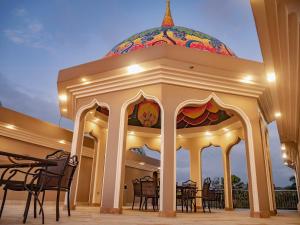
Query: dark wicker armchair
(149,190)
(65,184)
(137,192)
(189,191)
(40,180)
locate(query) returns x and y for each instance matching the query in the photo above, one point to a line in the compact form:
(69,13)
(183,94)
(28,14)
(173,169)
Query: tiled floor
(90,216)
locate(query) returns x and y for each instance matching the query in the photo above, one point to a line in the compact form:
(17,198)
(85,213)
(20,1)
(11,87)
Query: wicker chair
(207,195)
(66,182)
(41,179)
(149,190)
(137,192)
(189,191)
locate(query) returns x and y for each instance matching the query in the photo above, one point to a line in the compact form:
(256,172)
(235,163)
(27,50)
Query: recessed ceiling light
(247,79)
(134,69)
(207,133)
(225,129)
(283,147)
(285,163)
(131,132)
(64,110)
(63,98)
(62,142)
(10,126)
(284,155)
(271,77)
(142,163)
(277,114)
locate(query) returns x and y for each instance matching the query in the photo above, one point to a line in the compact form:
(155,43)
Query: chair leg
(43,198)
(34,206)
(68,203)
(3,202)
(133,202)
(57,205)
(203,205)
(141,202)
(27,207)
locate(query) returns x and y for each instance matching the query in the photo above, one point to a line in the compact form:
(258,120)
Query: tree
(236,182)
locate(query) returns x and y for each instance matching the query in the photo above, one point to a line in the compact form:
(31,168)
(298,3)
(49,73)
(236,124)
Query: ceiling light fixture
(247,79)
(271,77)
(207,133)
(63,98)
(134,69)
(10,126)
(277,114)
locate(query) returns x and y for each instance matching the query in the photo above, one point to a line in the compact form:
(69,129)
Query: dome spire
(168,20)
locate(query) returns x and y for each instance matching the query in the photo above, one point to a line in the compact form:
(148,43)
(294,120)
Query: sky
(38,38)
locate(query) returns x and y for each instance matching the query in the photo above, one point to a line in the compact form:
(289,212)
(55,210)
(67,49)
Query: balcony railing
(285,199)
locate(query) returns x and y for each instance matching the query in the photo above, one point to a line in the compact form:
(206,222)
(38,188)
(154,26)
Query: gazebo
(169,87)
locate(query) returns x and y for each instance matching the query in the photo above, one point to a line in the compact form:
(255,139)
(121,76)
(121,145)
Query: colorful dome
(171,35)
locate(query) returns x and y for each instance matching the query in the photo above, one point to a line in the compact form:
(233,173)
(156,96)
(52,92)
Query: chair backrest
(137,189)
(148,186)
(69,172)
(48,178)
(189,183)
(205,188)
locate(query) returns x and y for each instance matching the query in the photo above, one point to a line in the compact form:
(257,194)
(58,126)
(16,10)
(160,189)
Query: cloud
(16,97)
(29,32)
(20,12)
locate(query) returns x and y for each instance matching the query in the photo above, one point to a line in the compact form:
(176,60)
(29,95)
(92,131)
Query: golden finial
(168,20)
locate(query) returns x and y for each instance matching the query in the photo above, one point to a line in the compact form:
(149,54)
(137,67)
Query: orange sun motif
(148,113)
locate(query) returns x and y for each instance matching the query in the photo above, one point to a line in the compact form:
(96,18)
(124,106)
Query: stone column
(168,165)
(227,181)
(76,149)
(258,186)
(196,171)
(270,182)
(99,168)
(114,159)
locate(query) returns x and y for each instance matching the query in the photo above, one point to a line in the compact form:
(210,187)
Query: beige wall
(37,138)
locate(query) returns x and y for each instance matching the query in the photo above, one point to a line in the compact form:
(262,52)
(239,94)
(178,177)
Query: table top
(17,163)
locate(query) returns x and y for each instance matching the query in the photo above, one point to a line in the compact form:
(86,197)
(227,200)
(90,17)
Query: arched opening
(89,143)
(141,164)
(205,123)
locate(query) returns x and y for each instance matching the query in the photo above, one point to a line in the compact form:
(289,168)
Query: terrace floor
(12,214)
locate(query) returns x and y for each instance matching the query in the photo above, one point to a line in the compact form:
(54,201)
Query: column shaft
(76,149)
(227,181)
(168,166)
(258,186)
(196,171)
(114,159)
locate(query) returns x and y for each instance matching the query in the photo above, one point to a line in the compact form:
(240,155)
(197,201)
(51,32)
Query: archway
(141,134)
(246,125)
(91,120)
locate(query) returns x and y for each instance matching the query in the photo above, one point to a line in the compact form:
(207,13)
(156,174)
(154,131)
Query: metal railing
(285,199)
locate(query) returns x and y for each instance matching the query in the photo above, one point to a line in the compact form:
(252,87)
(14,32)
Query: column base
(298,206)
(261,214)
(229,209)
(273,212)
(167,213)
(110,210)
(95,204)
